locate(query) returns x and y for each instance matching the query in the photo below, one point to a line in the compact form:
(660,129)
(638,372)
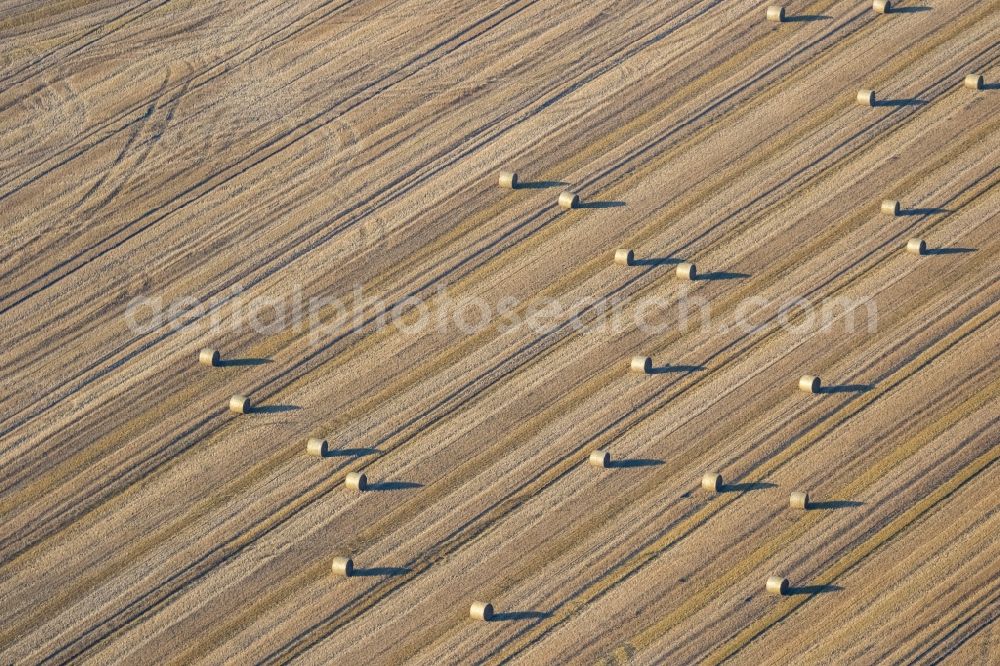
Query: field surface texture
(310,187)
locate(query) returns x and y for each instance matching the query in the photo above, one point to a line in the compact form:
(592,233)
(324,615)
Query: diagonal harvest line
(856,556)
(627,569)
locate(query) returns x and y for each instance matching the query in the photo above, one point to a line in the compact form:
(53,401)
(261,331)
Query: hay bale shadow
(722,275)
(846,388)
(515,616)
(381,571)
(833,504)
(274,409)
(665,369)
(807,17)
(236,362)
(540,185)
(601,204)
(949,250)
(634,462)
(655,261)
(744,487)
(385,486)
(900,102)
(813,589)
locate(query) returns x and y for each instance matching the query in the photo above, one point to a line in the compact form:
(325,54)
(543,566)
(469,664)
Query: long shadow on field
(381,571)
(807,17)
(234,362)
(540,185)
(846,388)
(910,10)
(813,589)
(665,369)
(900,102)
(635,462)
(991,86)
(924,211)
(355,453)
(744,487)
(394,485)
(722,275)
(656,261)
(949,250)
(274,409)
(834,504)
(601,204)
(512,616)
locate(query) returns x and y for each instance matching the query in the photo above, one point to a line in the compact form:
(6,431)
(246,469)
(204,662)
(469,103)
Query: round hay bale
(711,481)
(208,357)
(239,404)
(775,14)
(916,246)
(342,566)
(799,500)
(356,481)
(890,207)
(641,364)
(866,97)
(508,179)
(569,200)
(481,611)
(317,447)
(882,6)
(624,257)
(974,81)
(686,271)
(600,458)
(809,384)
(777,585)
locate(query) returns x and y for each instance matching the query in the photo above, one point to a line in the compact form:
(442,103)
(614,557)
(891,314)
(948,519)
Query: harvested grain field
(311,188)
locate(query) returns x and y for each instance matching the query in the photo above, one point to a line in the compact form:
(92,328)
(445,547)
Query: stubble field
(210,157)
